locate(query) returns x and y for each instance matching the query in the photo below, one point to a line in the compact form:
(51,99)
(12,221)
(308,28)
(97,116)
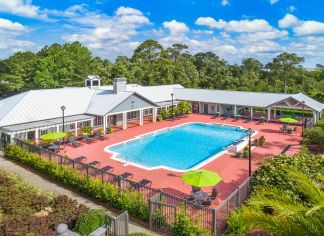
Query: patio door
(205,108)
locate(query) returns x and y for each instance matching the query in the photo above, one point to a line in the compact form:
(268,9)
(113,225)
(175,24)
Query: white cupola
(92,81)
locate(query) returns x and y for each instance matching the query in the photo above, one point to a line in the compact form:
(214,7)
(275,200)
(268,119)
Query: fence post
(126,223)
(72,164)
(116,233)
(214,222)
(238,196)
(102,177)
(151,213)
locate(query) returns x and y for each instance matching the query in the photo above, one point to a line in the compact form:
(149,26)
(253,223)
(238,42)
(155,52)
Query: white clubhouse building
(30,114)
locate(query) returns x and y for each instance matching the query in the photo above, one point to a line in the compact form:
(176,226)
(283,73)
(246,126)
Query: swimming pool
(179,148)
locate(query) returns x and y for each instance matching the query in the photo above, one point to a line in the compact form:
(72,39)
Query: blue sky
(233,29)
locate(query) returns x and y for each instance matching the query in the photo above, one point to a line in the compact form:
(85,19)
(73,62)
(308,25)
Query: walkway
(48,186)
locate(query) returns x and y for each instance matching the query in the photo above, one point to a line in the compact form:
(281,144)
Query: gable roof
(44,104)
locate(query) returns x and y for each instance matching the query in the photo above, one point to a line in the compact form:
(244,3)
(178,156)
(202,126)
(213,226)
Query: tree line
(58,66)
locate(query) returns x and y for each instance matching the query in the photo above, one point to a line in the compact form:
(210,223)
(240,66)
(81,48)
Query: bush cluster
(89,221)
(314,136)
(271,172)
(126,200)
(27,211)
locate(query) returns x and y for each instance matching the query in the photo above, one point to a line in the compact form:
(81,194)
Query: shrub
(90,221)
(262,140)
(86,129)
(246,152)
(128,199)
(314,136)
(184,226)
(27,211)
(271,172)
(235,224)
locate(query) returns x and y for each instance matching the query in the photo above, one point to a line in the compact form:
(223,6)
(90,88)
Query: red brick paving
(232,170)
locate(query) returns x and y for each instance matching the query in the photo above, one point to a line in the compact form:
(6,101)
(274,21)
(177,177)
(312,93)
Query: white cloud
(273,1)
(127,11)
(225,2)
(257,25)
(176,27)
(10,27)
(288,21)
(265,46)
(301,27)
(21,8)
(292,8)
(258,36)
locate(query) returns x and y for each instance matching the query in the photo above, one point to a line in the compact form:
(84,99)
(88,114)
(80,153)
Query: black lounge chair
(249,118)
(104,169)
(94,163)
(107,168)
(127,175)
(74,143)
(99,135)
(142,183)
(80,159)
(86,139)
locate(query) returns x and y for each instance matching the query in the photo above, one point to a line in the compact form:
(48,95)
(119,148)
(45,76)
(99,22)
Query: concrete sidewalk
(47,186)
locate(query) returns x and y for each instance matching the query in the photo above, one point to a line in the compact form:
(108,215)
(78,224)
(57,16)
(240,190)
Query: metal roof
(105,100)
(242,98)
(44,104)
(46,123)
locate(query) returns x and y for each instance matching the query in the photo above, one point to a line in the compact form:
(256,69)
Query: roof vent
(92,81)
(119,85)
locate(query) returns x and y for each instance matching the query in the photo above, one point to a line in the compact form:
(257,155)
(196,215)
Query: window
(72,126)
(132,115)
(212,108)
(95,83)
(132,104)
(147,112)
(88,83)
(30,135)
(98,121)
(43,131)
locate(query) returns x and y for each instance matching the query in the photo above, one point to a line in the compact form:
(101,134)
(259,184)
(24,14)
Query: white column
(125,120)
(36,135)
(91,123)
(58,128)
(141,122)
(315,117)
(269,113)
(104,123)
(12,137)
(274,113)
(154,113)
(251,111)
(75,129)
(235,111)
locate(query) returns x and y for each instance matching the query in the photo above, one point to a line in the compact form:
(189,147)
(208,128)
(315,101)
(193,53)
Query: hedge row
(126,200)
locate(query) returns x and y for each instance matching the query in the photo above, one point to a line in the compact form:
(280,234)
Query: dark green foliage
(90,221)
(25,209)
(271,173)
(126,200)
(151,64)
(314,136)
(184,226)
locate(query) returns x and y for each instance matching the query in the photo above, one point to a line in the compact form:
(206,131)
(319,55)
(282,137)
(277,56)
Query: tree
(273,210)
(285,65)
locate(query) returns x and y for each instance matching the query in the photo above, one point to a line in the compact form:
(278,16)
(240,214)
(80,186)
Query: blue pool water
(179,148)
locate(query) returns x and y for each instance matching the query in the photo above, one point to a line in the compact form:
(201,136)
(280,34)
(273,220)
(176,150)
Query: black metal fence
(163,207)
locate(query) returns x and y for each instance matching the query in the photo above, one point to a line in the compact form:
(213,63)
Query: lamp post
(250,132)
(303,118)
(63,109)
(172,104)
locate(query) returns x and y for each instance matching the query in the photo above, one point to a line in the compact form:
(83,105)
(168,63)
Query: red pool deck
(233,171)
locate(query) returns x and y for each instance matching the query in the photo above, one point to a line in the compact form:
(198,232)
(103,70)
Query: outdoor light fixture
(63,109)
(249,133)
(303,122)
(172,104)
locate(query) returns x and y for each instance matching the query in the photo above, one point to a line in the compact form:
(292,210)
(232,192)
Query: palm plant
(273,210)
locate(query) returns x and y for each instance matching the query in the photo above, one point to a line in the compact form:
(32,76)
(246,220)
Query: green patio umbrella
(201,178)
(53,136)
(288,120)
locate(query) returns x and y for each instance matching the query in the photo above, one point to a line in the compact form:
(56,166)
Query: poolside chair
(237,154)
(74,143)
(211,198)
(99,135)
(94,163)
(102,170)
(249,118)
(55,147)
(127,175)
(80,159)
(143,182)
(86,139)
